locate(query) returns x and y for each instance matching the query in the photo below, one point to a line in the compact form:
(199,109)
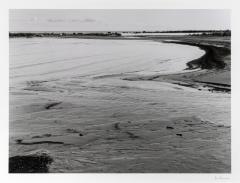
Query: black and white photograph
(119,91)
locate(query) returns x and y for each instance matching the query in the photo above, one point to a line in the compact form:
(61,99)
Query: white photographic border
(119,4)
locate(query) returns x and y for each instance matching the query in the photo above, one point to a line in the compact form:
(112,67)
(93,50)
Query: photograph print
(119,91)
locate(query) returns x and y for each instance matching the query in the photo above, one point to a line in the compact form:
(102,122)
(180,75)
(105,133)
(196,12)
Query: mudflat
(132,115)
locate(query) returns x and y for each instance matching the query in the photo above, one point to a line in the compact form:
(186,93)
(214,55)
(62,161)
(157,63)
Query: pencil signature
(221,177)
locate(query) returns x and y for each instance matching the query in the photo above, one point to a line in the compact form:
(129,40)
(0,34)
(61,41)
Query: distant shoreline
(77,34)
(215,65)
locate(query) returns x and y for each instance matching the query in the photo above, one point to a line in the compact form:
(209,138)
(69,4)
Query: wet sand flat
(93,119)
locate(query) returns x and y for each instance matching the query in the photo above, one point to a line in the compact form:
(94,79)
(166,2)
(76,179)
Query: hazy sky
(117,20)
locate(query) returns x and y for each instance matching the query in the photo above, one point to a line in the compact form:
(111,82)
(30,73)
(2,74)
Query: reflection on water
(53,58)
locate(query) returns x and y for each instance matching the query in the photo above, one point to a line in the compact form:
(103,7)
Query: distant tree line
(216,33)
(191,32)
(62,34)
(117,34)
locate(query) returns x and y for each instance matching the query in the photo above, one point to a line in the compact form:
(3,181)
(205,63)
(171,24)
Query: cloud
(89,20)
(55,20)
(86,20)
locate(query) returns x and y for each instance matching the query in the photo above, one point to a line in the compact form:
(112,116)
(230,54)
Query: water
(54,58)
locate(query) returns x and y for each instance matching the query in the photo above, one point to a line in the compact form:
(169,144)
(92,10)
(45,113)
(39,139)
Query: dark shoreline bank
(212,59)
(215,65)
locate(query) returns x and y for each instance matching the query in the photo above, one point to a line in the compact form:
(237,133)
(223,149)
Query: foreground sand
(125,123)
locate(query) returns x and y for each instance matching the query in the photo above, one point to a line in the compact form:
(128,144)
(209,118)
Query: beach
(158,104)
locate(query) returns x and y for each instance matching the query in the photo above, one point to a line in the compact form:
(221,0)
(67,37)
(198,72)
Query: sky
(117,20)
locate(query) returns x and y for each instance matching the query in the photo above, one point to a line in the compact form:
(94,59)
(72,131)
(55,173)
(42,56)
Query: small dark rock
(116,126)
(179,134)
(169,127)
(80,134)
(19,141)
